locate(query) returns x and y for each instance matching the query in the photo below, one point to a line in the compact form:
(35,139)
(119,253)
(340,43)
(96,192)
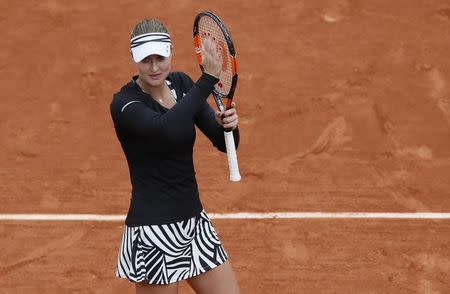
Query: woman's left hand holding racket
(229,118)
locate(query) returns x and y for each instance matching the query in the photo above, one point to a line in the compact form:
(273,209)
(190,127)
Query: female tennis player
(168,237)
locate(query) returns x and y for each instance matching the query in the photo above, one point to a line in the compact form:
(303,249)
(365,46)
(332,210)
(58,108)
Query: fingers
(218,117)
(210,46)
(211,57)
(228,119)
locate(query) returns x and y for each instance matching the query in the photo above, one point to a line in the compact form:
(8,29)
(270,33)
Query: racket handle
(235,176)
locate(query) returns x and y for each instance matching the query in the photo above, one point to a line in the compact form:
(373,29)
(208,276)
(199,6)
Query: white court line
(240,215)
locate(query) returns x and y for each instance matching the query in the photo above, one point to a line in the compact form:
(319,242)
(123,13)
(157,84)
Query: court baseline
(239,215)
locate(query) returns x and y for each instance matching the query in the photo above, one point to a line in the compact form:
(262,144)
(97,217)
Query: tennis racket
(207,24)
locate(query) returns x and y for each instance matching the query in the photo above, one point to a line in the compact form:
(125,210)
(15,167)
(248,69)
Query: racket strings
(209,28)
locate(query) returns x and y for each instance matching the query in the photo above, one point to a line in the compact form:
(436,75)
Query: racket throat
(219,103)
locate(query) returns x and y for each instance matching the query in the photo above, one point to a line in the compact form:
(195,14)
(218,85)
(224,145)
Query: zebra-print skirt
(164,254)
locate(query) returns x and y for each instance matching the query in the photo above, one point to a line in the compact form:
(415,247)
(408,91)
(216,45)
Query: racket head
(208,24)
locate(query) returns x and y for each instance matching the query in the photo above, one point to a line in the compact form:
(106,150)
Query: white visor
(149,44)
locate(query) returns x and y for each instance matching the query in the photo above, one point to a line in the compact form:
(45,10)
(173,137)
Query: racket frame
(228,134)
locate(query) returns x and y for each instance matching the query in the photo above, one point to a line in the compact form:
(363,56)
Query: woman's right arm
(140,119)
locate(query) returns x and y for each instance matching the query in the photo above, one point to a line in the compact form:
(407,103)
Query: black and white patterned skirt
(164,254)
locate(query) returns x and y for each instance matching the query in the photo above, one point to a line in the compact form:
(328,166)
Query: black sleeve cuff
(207,81)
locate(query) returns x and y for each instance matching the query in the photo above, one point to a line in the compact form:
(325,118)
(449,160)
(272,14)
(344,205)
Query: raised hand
(211,57)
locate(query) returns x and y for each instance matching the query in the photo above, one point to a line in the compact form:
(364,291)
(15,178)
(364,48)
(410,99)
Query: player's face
(154,69)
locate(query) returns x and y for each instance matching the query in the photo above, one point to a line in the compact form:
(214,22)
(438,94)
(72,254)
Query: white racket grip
(235,176)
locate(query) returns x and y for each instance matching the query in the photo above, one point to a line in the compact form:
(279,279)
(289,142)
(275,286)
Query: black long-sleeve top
(158,145)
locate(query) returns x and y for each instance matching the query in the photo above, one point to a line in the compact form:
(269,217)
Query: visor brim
(151,48)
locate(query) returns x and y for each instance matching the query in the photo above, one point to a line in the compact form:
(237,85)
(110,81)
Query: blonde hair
(149,25)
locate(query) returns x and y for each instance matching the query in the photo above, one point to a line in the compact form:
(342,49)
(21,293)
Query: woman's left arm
(212,125)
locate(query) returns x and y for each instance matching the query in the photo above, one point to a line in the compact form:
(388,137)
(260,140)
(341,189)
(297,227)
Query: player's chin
(155,80)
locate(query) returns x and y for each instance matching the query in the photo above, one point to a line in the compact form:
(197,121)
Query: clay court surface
(344,107)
